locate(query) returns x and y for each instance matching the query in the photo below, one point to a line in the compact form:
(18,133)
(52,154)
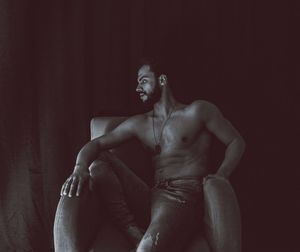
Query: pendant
(157,149)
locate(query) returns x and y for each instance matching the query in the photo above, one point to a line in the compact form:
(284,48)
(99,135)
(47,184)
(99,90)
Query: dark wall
(63,62)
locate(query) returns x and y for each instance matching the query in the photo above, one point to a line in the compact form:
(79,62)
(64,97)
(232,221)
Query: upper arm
(122,133)
(217,124)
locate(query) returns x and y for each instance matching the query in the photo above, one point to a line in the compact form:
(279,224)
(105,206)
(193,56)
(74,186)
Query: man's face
(147,87)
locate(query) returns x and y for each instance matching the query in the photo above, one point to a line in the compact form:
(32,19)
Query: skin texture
(185,140)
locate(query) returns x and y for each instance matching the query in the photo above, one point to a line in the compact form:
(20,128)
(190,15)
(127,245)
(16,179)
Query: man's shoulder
(137,119)
(132,123)
(202,106)
(202,110)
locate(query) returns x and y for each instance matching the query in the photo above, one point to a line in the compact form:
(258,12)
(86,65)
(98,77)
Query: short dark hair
(157,65)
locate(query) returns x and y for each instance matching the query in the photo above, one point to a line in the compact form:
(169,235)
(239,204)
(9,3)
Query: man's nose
(138,88)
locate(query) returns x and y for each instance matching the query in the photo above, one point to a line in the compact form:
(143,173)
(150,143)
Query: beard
(151,99)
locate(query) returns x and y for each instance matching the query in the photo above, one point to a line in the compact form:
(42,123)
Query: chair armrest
(222,215)
(77,221)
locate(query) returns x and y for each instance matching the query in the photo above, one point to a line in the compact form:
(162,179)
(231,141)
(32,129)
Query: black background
(63,62)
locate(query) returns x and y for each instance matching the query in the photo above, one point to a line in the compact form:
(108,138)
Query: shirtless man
(180,137)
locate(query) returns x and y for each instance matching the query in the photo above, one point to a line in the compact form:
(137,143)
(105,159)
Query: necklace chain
(157,143)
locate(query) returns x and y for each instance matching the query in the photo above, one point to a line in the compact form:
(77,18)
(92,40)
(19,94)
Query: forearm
(233,154)
(87,155)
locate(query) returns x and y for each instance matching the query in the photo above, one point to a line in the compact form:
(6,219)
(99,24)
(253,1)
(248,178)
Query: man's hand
(75,182)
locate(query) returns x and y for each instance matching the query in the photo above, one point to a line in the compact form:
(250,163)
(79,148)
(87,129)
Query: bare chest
(178,132)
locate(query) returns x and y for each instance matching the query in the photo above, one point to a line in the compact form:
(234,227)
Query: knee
(99,168)
(150,242)
(100,171)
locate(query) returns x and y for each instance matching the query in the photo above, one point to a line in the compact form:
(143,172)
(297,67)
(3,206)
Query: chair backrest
(101,125)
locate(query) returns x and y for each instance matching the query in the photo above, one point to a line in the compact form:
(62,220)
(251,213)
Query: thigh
(172,223)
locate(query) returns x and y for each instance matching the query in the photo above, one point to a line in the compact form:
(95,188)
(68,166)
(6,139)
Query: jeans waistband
(178,181)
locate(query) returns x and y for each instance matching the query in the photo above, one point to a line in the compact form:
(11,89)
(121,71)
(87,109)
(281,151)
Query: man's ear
(163,79)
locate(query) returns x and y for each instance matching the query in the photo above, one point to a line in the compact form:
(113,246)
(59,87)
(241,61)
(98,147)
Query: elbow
(239,143)
(91,148)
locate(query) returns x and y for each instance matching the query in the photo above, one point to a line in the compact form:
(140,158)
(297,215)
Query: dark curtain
(63,62)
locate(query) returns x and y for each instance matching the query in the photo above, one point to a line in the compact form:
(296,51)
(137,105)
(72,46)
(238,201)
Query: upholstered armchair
(82,224)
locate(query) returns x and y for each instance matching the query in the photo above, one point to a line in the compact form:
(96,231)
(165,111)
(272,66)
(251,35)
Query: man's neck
(166,103)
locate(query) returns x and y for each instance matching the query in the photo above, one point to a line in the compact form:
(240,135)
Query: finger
(67,186)
(79,187)
(73,186)
(62,189)
(64,186)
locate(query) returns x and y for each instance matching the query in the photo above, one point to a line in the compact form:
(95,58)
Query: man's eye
(144,81)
